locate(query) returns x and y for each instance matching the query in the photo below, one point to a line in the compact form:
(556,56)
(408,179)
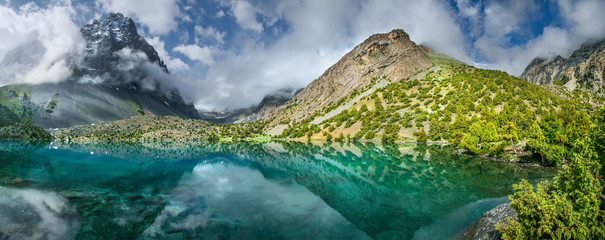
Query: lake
(274,190)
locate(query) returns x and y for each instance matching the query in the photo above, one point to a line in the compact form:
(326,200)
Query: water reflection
(265,190)
(223,200)
(34,214)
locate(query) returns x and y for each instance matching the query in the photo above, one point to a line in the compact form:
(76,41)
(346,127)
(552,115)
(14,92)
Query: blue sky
(227,54)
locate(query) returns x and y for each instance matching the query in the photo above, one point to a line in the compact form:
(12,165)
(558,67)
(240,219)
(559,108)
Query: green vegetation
(572,207)
(24,131)
(15,105)
(480,111)
(136,107)
(155,130)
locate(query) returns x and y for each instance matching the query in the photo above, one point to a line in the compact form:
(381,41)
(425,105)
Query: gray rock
(485,228)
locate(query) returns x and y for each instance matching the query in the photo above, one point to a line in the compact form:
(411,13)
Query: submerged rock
(485,228)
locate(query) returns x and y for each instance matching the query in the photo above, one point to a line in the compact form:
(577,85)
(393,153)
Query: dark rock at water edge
(485,228)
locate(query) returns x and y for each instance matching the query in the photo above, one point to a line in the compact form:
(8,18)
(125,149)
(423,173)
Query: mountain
(387,57)
(117,76)
(390,89)
(584,69)
(253,113)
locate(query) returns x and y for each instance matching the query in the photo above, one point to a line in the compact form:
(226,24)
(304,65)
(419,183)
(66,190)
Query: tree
(597,137)
(370,135)
(421,135)
(471,141)
(510,133)
(539,144)
(490,133)
(570,208)
(329,137)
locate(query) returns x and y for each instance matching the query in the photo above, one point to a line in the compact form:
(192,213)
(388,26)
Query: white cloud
(202,33)
(194,52)
(245,15)
(42,46)
(579,21)
(157,15)
(429,22)
(299,40)
(175,65)
(320,33)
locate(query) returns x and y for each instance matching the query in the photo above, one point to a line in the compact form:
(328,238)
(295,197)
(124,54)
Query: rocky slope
(390,56)
(119,75)
(584,69)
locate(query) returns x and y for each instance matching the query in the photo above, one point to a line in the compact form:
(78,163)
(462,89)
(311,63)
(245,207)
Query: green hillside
(15,104)
(159,131)
(481,111)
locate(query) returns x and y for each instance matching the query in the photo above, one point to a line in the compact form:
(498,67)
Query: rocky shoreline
(484,228)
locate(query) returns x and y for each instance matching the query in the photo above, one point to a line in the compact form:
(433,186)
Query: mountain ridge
(584,68)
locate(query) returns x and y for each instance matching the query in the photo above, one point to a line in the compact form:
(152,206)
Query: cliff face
(389,55)
(585,68)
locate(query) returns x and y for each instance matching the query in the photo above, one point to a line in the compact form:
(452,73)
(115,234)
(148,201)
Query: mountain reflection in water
(248,190)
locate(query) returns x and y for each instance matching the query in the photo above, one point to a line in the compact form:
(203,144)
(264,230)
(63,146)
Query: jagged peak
(115,25)
(113,33)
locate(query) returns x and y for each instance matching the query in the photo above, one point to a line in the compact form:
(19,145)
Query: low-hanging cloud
(38,45)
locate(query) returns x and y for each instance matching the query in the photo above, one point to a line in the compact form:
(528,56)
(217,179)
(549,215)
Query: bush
(421,135)
(569,208)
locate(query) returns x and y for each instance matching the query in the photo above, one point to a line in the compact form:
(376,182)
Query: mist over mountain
(584,68)
(116,75)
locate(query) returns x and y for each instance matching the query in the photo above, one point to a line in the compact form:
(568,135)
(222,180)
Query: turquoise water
(277,190)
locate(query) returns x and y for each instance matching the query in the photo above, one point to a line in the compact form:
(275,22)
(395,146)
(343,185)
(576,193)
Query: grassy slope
(12,104)
(434,103)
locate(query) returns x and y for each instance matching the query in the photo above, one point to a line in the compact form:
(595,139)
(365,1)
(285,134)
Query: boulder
(485,228)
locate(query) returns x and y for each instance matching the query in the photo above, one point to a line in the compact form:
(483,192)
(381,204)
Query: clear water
(278,190)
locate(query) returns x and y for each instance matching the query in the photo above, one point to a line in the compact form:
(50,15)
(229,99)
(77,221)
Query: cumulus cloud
(208,33)
(43,44)
(245,15)
(160,16)
(197,53)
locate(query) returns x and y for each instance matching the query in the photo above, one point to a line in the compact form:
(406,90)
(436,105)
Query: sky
(228,54)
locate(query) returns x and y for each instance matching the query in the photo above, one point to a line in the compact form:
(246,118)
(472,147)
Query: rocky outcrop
(585,68)
(389,55)
(484,228)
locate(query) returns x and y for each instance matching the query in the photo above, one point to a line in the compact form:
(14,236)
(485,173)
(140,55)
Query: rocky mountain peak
(391,56)
(111,34)
(584,68)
